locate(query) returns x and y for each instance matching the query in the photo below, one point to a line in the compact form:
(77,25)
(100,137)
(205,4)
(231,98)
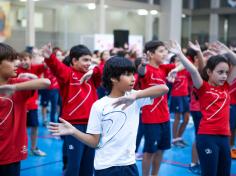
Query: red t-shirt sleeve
(167,68)
(59,70)
(96,77)
(26,94)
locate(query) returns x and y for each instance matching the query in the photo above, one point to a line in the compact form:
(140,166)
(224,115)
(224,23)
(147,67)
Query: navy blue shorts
(196,115)
(130,170)
(157,137)
(80,157)
(32,118)
(232,117)
(44,97)
(179,104)
(214,154)
(12,169)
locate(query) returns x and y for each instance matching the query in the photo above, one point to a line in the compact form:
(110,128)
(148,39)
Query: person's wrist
(13,87)
(73,131)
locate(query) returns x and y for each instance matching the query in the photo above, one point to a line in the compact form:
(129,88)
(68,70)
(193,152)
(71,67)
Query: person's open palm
(126,101)
(61,129)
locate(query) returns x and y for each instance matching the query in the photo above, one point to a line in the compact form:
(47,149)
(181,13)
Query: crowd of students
(106,103)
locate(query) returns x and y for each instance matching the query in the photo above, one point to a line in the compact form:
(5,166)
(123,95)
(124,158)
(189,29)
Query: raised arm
(201,60)
(65,128)
(58,69)
(153,92)
(222,49)
(175,48)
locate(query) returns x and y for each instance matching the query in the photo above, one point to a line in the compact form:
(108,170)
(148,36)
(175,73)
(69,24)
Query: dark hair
(24,54)
(151,46)
(7,52)
(191,54)
(114,68)
(66,61)
(79,51)
(212,62)
(137,62)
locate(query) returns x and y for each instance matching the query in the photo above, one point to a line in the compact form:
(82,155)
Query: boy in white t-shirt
(113,121)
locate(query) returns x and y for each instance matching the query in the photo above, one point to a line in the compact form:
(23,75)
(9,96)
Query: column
(214,22)
(30,28)
(149,25)
(102,17)
(170,20)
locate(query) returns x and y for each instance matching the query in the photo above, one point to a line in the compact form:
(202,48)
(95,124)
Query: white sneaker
(37,152)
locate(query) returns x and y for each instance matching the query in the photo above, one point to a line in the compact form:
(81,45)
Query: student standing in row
(114,119)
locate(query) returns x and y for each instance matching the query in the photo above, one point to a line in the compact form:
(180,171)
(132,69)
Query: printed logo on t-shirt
(208,151)
(77,83)
(113,121)
(217,95)
(24,149)
(6,105)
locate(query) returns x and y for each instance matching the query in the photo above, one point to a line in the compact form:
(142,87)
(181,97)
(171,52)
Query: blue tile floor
(175,162)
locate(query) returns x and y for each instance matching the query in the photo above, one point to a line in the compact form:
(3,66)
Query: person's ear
(73,61)
(113,80)
(208,72)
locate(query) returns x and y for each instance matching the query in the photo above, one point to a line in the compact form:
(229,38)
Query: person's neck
(3,80)
(116,93)
(154,64)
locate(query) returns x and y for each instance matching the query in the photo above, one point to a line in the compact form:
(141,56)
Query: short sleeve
(202,89)
(94,123)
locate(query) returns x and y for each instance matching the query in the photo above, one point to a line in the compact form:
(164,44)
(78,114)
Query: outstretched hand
(196,47)
(172,75)
(219,48)
(126,101)
(86,76)
(46,50)
(174,47)
(61,129)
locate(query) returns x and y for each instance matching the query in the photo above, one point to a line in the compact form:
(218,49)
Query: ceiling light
(183,15)
(91,6)
(153,12)
(142,12)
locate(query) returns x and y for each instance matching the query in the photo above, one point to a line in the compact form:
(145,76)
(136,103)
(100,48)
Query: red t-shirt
(194,99)
(13,136)
(180,86)
(214,104)
(232,92)
(77,99)
(158,112)
(32,103)
(48,74)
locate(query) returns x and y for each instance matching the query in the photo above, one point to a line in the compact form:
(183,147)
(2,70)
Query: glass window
(202,4)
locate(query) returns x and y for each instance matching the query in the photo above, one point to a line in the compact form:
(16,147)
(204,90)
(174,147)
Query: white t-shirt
(118,131)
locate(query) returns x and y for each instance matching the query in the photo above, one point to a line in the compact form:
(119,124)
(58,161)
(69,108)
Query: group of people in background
(107,102)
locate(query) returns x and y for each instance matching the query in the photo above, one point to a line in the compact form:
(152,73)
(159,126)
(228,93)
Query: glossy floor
(175,162)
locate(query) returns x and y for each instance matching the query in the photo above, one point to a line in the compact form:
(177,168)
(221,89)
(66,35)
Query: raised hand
(196,47)
(172,75)
(219,48)
(126,101)
(86,76)
(46,50)
(61,129)
(174,47)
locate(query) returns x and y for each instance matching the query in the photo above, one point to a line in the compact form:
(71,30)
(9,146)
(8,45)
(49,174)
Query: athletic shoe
(195,169)
(138,156)
(178,144)
(183,142)
(37,152)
